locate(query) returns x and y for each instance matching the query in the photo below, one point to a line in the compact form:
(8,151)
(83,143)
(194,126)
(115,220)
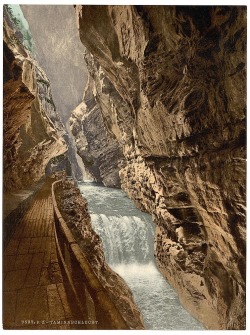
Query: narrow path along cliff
(37,292)
(34,295)
(146,100)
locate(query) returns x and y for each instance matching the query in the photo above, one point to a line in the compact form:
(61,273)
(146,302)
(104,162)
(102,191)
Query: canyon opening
(124,167)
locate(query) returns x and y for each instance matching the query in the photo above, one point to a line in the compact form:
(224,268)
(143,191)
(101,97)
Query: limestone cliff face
(178,85)
(96,143)
(32,128)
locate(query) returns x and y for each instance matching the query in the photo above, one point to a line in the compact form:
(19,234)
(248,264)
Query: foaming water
(128,236)
(126,239)
(136,269)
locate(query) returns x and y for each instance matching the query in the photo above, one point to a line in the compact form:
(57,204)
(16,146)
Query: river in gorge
(128,237)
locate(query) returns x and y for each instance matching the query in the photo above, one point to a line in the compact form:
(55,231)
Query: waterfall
(126,239)
(128,242)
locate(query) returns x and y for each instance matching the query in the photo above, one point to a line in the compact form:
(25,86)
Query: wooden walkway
(34,294)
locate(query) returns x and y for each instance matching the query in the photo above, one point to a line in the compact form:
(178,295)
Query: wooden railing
(92,299)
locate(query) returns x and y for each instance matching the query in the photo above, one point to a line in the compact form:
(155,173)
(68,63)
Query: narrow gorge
(139,102)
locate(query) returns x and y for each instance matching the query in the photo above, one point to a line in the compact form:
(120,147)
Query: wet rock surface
(177,104)
(74,210)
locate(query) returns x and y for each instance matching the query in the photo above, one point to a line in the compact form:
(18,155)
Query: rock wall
(177,104)
(95,142)
(32,128)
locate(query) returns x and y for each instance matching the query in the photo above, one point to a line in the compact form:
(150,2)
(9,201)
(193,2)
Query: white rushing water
(128,237)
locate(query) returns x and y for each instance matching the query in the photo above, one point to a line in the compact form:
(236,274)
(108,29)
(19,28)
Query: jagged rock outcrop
(178,83)
(32,128)
(95,142)
(74,210)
